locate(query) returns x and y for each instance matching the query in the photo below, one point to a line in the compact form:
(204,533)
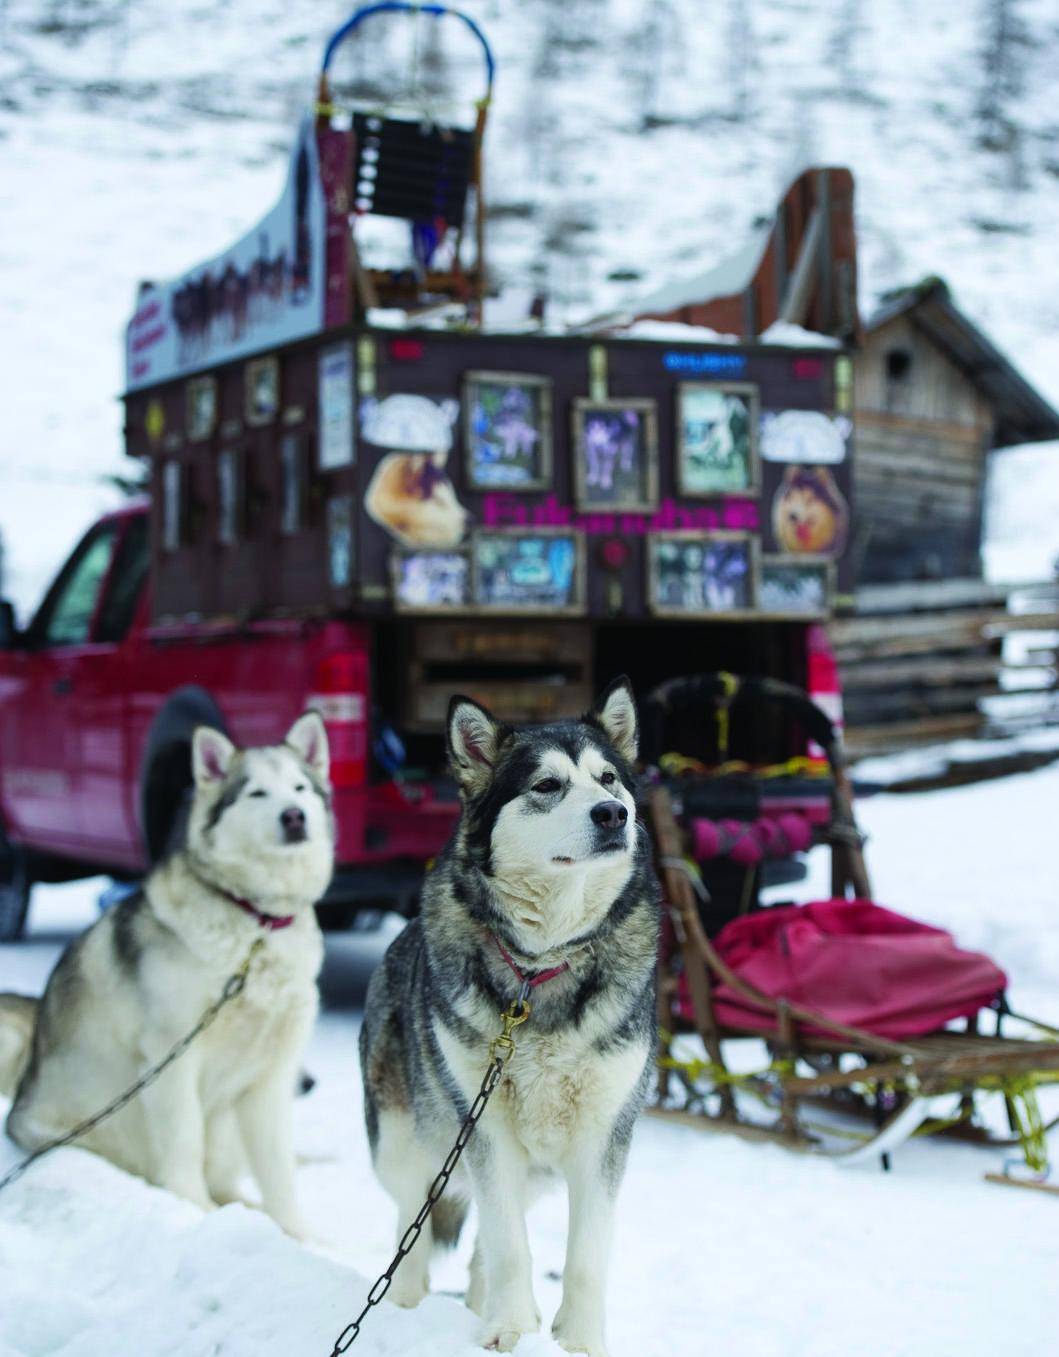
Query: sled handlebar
(339,36)
(696,692)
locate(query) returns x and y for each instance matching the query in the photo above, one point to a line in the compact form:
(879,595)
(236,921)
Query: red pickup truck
(97,707)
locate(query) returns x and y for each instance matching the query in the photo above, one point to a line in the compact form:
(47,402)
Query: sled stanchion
(680,897)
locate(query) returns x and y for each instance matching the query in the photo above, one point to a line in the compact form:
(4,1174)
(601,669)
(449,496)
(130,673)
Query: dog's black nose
(609,814)
(293,821)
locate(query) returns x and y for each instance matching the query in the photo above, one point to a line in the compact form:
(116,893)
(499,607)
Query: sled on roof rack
(855,1003)
(414,168)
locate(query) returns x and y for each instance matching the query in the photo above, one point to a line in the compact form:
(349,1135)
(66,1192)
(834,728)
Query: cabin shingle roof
(1022,414)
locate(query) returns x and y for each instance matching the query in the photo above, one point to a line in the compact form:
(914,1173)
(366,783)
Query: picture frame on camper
(431,581)
(615,448)
(335,407)
(702,574)
(507,427)
(200,408)
(261,390)
(717,439)
(533,570)
(796,586)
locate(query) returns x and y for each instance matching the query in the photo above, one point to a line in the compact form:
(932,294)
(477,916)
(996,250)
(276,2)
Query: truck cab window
(126,583)
(65,619)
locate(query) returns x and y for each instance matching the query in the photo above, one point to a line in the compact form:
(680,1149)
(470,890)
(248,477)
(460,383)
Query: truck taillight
(341,698)
(822,680)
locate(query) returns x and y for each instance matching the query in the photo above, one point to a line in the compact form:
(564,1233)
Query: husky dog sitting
(258,855)
(546,880)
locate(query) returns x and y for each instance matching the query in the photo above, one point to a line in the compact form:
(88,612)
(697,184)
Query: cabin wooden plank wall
(923,432)
(928,662)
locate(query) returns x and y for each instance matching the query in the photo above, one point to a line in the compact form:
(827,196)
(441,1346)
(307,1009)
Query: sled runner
(868,1016)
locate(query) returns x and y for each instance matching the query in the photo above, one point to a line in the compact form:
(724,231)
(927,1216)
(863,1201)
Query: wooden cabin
(920,646)
(932,398)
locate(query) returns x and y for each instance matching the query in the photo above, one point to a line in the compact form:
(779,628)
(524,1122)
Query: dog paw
(506,1340)
(226,1196)
(196,1196)
(502,1335)
(407,1294)
(578,1337)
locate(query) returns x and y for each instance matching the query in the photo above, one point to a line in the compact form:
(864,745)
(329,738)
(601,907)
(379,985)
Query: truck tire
(15,887)
(165,778)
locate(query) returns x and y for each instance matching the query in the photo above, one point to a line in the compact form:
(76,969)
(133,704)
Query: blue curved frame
(402,6)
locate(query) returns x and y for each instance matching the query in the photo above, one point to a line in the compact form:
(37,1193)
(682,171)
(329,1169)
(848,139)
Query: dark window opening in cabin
(898,364)
(172,506)
(292,497)
(229,497)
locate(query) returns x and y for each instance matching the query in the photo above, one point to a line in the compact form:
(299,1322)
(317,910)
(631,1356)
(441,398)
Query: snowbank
(722,1246)
(97,1262)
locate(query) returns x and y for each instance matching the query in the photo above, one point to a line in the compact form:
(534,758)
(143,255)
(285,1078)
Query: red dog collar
(536,978)
(273,922)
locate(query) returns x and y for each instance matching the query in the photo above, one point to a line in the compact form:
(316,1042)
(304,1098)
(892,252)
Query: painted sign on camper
(267,289)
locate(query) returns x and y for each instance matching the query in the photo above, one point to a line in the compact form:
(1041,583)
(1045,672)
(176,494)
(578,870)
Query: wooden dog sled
(851,1090)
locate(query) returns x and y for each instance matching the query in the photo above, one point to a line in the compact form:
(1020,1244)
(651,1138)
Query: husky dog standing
(259,854)
(545,879)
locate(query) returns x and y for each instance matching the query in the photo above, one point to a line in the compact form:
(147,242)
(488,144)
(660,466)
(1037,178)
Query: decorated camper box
(538,505)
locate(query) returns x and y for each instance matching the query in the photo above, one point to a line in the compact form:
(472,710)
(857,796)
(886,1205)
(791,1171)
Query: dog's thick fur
(528,866)
(140,978)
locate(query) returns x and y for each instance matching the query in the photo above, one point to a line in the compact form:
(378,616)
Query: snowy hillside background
(631,141)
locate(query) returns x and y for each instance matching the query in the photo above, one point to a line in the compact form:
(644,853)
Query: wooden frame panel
(261,393)
(691,536)
(532,381)
(576,609)
(579,452)
(201,408)
(772,561)
(401,555)
(751,393)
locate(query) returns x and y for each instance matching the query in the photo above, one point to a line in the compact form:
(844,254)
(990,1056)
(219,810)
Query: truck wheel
(15,886)
(165,782)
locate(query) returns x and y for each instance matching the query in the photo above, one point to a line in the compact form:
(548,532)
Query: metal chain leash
(233,987)
(501,1049)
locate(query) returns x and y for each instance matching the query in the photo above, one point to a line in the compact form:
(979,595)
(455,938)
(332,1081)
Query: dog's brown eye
(607,779)
(547,784)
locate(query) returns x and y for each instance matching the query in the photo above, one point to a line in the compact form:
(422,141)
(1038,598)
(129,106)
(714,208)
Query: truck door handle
(62,686)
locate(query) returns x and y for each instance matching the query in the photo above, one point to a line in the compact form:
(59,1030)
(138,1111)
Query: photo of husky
(258,855)
(547,872)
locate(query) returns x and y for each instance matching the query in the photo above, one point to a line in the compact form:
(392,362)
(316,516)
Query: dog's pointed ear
(615,714)
(473,737)
(211,756)
(308,738)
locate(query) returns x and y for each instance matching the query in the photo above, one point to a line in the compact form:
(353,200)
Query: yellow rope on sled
(677,765)
(1019,1093)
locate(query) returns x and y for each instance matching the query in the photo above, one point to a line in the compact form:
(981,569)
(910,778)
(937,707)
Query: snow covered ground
(722,1246)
